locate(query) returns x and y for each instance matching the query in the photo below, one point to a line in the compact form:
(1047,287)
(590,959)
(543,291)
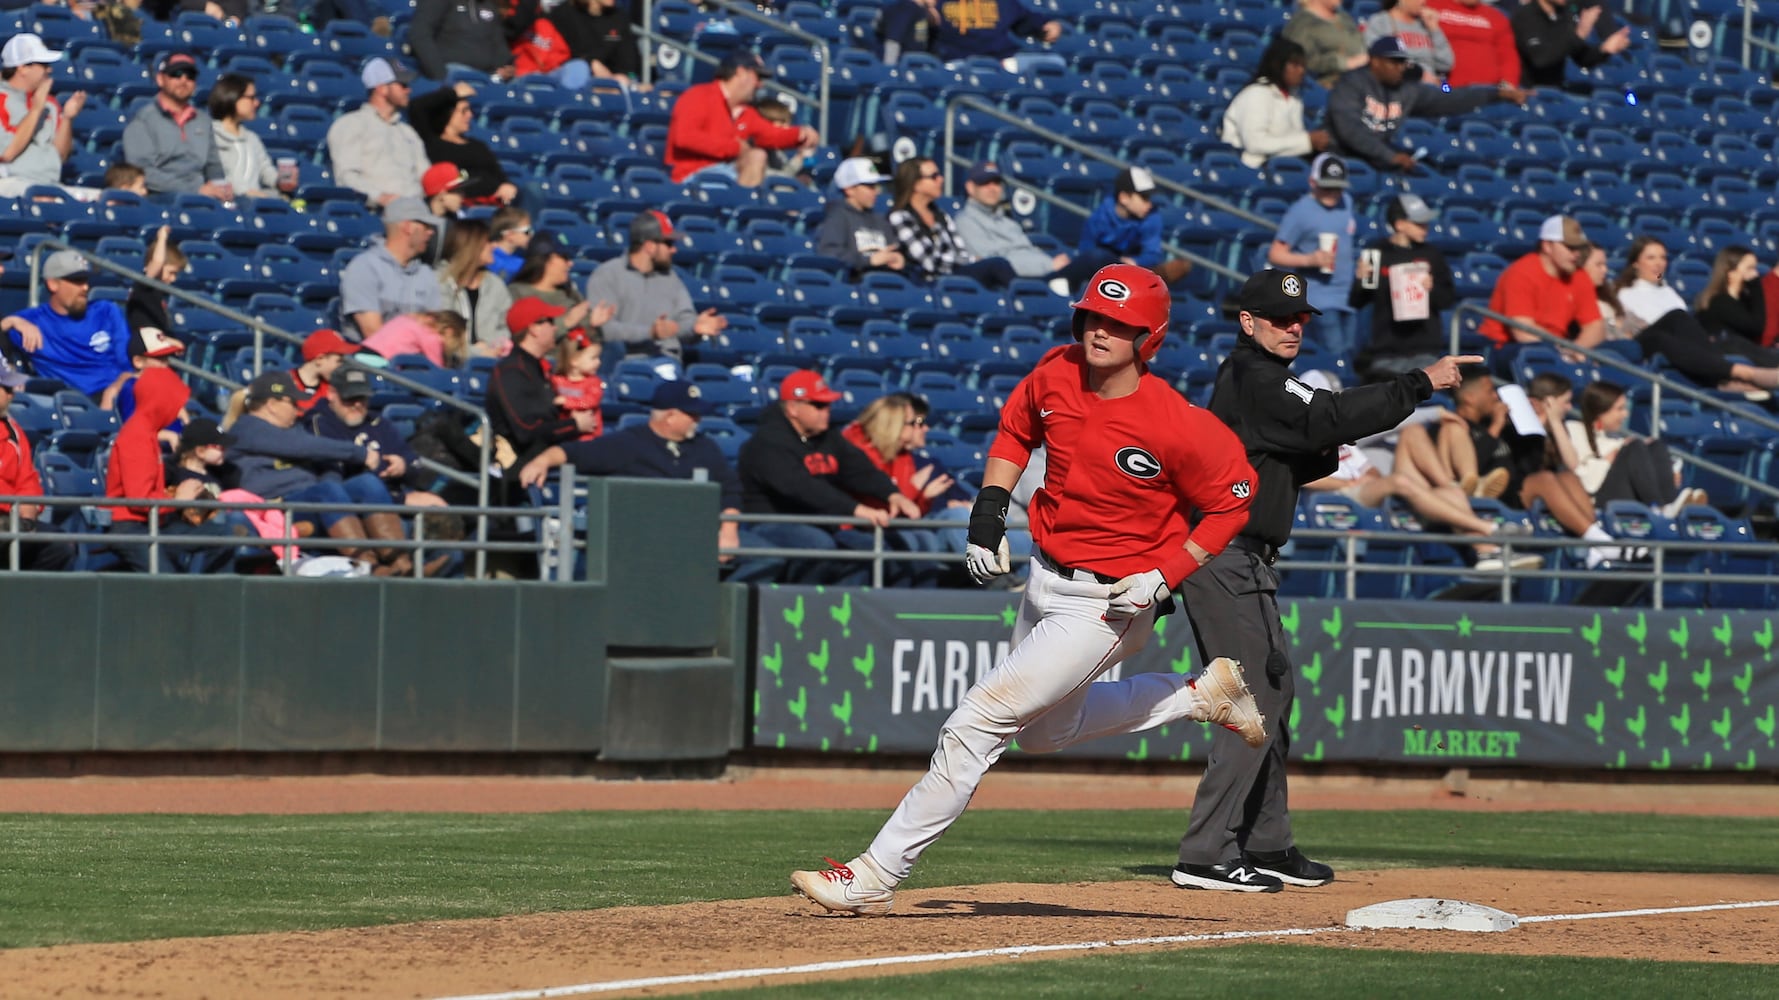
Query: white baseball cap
(1562,229)
(856,171)
(25,49)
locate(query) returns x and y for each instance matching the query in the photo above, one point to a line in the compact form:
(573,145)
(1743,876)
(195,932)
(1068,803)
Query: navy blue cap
(680,396)
(1388,47)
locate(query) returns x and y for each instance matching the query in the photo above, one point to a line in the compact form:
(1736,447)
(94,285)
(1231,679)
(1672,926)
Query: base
(1432,915)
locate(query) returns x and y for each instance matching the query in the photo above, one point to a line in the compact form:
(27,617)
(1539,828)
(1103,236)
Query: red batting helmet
(1129,294)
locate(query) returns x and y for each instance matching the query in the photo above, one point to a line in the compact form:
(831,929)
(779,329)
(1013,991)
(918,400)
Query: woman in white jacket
(470,290)
(1266,118)
(246,166)
(1614,465)
(1656,315)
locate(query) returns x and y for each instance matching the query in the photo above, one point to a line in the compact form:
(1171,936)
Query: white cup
(1329,242)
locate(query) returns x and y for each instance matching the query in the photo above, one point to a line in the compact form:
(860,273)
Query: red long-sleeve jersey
(1124,475)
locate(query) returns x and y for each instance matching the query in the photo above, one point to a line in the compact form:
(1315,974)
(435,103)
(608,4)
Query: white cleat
(842,888)
(1227,701)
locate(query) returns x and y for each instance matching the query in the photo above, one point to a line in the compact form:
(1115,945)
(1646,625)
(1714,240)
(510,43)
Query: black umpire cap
(1274,293)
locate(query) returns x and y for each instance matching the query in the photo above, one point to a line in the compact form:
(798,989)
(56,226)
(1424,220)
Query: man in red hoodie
(715,127)
(1483,48)
(138,472)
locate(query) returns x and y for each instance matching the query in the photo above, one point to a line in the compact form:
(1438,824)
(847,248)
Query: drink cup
(287,173)
(1329,242)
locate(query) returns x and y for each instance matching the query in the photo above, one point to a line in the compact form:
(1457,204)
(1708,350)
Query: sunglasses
(181,72)
(931,177)
(819,406)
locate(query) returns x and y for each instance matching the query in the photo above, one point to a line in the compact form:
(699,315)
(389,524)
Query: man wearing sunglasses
(171,139)
(86,345)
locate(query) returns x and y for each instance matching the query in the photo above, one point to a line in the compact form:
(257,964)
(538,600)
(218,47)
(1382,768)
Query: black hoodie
(783,472)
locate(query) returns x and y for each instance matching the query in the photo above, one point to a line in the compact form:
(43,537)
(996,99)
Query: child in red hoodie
(138,472)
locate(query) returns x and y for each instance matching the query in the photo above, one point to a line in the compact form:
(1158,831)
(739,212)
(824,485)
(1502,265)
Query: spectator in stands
(540,50)
(667,447)
(173,142)
(347,417)
(373,151)
(246,166)
(124,177)
(521,401)
(37,131)
(955,32)
(278,460)
(653,312)
(1417,28)
(599,36)
(389,278)
(1653,313)
(442,186)
(136,471)
(147,307)
(795,463)
(715,128)
(1483,47)
(852,231)
(988,231)
(511,231)
(1415,338)
(1315,239)
(323,353)
(1732,306)
(927,235)
(546,275)
(790,163)
(1546,289)
(83,344)
(889,432)
(443,119)
(1266,117)
(1330,39)
(1126,227)
(468,288)
(441,336)
(18,477)
(149,348)
(460,34)
(1367,106)
(574,375)
(1550,34)
(199,452)
(1615,465)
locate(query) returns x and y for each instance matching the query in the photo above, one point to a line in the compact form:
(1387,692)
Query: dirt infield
(536,952)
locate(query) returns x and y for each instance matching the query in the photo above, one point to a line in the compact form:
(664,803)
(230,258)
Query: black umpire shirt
(1293,433)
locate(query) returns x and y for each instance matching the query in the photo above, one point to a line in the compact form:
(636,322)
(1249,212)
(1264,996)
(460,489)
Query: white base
(1432,915)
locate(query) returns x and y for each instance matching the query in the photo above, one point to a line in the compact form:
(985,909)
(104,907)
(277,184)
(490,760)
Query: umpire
(1239,837)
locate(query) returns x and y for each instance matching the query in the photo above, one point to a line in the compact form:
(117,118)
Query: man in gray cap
(86,345)
(1422,281)
(375,152)
(36,134)
(1239,837)
(654,307)
(390,279)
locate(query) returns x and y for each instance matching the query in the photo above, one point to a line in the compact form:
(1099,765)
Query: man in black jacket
(796,464)
(447,33)
(521,402)
(1550,33)
(1366,106)
(1239,838)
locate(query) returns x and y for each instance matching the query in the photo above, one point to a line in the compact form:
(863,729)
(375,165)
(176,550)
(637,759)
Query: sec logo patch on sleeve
(1137,462)
(1242,489)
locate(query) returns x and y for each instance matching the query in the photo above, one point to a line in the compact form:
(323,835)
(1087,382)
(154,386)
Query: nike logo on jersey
(1045,413)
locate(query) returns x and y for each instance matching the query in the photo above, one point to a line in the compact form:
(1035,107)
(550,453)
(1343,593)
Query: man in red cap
(521,401)
(323,351)
(171,139)
(796,464)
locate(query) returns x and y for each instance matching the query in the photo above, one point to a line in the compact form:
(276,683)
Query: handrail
(260,329)
(1749,42)
(692,52)
(823,53)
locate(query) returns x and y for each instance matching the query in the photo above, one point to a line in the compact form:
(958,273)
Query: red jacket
(136,469)
(1769,287)
(1483,47)
(18,477)
(901,469)
(540,50)
(703,131)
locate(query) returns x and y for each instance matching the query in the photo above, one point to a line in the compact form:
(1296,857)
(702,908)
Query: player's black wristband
(988,517)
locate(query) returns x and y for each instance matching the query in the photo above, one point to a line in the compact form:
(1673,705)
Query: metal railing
(1749,42)
(261,329)
(823,53)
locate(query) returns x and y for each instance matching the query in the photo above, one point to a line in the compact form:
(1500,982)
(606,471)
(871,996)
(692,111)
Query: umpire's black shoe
(1233,876)
(1290,866)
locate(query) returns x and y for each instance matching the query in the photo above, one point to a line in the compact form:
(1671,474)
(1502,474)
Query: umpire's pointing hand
(1444,373)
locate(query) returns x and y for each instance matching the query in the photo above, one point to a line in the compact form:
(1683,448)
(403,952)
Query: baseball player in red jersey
(1129,462)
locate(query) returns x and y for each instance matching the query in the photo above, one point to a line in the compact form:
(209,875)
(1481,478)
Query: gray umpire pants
(1240,805)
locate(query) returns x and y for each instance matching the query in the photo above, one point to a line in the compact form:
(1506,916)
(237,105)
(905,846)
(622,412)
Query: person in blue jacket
(1127,228)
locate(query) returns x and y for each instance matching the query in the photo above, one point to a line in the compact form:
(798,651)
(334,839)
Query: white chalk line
(1013,951)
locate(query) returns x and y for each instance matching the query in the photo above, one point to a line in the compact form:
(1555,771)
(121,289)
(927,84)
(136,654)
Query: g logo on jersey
(1115,290)
(1137,462)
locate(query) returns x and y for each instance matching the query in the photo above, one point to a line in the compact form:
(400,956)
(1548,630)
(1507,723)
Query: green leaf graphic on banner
(1620,763)
(1141,752)
(1659,681)
(1639,633)
(1291,620)
(843,713)
(1338,716)
(1662,763)
(1705,762)
(1764,638)
(1009,615)
(1765,725)
(1185,751)
(1161,630)
(871,747)
(1182,664)
(1679,635)
(756,709)
(842,613)
(1465,625)
(1331,626)
(1724,633)
(1313,673)
(793,616)
(1596,720)
(1702,677)
(781,741)
(1682,723)
(1296,714)
(1315,754)
(1615,676)
(1748,764)
(799,707)
(824,744)
(1722,728)
(865,664)
(774,664)
(818,661)
(1592,634)
(1745,682)
(1637,724)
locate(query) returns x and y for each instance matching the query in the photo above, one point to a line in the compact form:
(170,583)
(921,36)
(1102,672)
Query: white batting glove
(985,565)
(1136,593)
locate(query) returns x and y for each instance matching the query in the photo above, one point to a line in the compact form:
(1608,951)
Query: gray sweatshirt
(245,163)
(376,157)
(178,159)
(641,299)
(991,232)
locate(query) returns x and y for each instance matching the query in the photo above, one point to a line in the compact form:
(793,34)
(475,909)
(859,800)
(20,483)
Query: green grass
(113,878)
(1255,971)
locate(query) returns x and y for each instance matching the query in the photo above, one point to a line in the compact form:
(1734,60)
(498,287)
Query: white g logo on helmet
(1115,290)
(1291,285)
